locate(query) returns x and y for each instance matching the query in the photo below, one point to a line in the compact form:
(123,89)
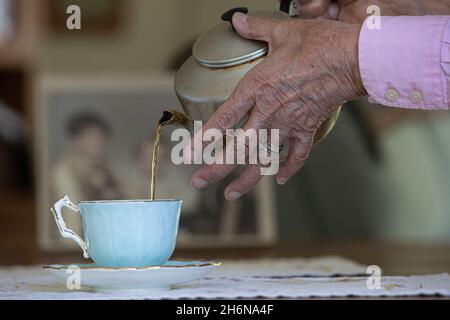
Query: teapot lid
(223,47)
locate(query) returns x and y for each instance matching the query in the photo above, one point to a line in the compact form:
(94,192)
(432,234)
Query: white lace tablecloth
(281,278)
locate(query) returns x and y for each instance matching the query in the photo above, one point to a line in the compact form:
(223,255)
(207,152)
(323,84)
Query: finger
(227,116)
(257,28)
(233,109)
(213,173)
(298,153)
(252,174)
(313,8)
(210,174)
(244,183)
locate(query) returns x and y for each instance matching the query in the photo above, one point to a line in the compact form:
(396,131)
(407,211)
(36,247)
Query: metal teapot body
(220,60)
(201,90)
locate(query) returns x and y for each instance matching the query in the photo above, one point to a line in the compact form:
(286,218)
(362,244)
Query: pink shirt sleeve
(406,61)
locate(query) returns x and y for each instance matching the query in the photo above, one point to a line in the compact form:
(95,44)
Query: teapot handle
(228,16)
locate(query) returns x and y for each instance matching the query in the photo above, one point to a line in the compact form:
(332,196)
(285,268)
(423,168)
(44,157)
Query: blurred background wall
(152,35)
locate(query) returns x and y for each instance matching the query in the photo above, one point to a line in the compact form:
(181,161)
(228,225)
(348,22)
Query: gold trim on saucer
(91,267)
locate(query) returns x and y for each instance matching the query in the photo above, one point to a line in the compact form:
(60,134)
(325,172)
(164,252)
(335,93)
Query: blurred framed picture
(94,139)
(8,11)
(99,16)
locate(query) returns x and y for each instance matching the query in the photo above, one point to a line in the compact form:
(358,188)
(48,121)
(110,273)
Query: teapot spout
(175,117)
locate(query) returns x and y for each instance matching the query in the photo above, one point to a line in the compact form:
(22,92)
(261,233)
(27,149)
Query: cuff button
(416,96)
(392,94)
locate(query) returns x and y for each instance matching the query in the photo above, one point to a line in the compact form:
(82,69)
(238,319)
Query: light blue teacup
(122,233)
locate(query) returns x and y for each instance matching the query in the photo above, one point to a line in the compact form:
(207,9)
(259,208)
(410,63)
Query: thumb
(256,28)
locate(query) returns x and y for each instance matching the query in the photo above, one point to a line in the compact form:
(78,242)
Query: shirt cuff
(402,63)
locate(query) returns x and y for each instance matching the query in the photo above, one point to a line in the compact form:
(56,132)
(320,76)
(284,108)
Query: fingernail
(199,184)
(233,195)
(281,181)
(240,16)
(333,11)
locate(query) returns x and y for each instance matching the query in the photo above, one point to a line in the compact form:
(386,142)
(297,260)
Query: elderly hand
(311,69)
(355,11)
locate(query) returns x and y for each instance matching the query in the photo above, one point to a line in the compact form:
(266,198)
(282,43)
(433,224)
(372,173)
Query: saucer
(128,278)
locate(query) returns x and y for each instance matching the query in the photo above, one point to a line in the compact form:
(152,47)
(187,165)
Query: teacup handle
(65,202)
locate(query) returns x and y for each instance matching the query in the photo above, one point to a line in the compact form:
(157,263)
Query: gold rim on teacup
(132,200)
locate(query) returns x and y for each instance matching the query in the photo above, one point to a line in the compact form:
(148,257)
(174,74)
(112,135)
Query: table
(393,258)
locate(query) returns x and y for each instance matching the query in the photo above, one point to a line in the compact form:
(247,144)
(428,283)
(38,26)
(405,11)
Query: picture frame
(121,98)
(8,21)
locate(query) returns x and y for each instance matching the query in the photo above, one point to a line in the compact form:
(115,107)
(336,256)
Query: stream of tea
(168,117)
(155,161)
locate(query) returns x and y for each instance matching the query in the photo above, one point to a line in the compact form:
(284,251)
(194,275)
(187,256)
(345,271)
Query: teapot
(220,58)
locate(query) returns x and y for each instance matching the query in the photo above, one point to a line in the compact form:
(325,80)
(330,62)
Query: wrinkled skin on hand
(355,11)
(311,69)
